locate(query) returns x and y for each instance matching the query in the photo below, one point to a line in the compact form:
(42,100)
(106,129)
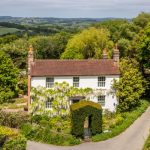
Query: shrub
(13,120)
(64,139)
(81,110)
(7,131)
(26,130)
(2,140)
(60,124)
(11,140)
(47,135)
(37,118)
(17,143)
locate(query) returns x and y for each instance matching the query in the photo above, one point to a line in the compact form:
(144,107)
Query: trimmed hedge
(81,110)
(13,120)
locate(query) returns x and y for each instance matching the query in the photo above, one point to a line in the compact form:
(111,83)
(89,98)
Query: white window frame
(48,103)
(76,81)
(49,82)
(101,100)
(101,81)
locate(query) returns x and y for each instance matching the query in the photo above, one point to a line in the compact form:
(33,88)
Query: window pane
(101,78)
(49,79)
(48,103)
(101,81)
(101,100)
(49,82)
(76,81)
(76,84)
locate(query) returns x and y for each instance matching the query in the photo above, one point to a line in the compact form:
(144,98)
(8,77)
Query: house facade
(96,74)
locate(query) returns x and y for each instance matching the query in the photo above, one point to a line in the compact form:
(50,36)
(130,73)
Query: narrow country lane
(132,139)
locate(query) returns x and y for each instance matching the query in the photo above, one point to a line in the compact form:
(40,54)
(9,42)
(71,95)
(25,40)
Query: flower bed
(54,130)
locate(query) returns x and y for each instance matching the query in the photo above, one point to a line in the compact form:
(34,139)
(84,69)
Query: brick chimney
(105,54)
(30,60)
(116,55)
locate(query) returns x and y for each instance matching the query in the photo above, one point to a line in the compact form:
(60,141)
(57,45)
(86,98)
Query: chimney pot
(116,54)
(105,54)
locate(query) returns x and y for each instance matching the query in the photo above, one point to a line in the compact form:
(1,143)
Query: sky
(74,8)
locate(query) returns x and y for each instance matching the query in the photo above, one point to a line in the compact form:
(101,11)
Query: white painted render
(86,82)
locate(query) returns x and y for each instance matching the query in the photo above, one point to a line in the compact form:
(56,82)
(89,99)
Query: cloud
(74,8)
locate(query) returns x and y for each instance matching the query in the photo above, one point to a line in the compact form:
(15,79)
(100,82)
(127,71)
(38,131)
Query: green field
(5,30)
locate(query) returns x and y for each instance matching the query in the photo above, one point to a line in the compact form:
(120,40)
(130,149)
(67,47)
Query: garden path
(132,139)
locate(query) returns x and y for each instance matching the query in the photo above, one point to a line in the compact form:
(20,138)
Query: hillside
(45,26)
(50,20)
(6,30)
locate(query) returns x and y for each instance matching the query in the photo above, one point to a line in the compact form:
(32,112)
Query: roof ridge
(74,59)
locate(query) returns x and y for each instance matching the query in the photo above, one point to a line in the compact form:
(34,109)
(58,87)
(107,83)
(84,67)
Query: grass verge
(129,118)
(147,144)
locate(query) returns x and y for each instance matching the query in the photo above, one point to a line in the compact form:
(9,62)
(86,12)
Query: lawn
(5,30)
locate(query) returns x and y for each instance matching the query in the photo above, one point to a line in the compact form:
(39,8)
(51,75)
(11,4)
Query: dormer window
(76,81)
(49,82)
(101,81)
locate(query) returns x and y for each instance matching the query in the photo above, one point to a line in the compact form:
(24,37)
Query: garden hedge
(81,110)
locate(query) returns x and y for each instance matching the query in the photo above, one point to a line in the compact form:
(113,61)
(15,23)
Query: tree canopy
(8,78)
(88,44)
(144,48)
(142,19)
(131,85)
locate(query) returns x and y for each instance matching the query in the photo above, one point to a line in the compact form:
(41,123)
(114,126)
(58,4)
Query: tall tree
(144,48)
(8,78)
(142,19)
(88,44)
(50,47)
(124,47)
(130,86)
(17,51)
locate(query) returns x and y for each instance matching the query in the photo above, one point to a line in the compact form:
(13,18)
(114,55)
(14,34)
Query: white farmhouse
(95,74)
